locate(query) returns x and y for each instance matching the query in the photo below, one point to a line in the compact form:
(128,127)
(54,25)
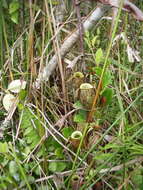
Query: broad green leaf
(99,56)
(94,40)
(14,17)
(27,131)
(31,179)
(108,95)
(78,105)
(57,166)
(14,6)
(98,31)
(80,116)
(67,131)
(97,70)
(31,127)
(52,143)
(26,151)
(3,147)
(137,178)
(13,167)
(107,78)
(61,167)
(59,152)
(53,166)
(22,94)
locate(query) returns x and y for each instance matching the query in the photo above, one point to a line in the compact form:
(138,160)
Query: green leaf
(111,146)
(59,152)
(13,167)
(14,17)
(27,131)
(52,144)
(57,166)
(22,94)
(97,70)
(107,78)
(78,105)
(26,151)
(61,166)
(99,56)
(108,95)
(31,127)
(80,116)
(31,179)
(53,166)
(3,147)
(67,131)
(14,6)
(94,40)
(103,156)
(137,178)
(87,34)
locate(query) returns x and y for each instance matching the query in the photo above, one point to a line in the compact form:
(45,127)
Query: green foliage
(78,105)
(116,140)
(137,178)
(3,147)
(107,77)
(57,166)
(14,6)
(32,128)
(52,144)
(4,4)
(59,153)
(67,131)
(99,56)
(13,167)
(14,11)
(80,116)
(108,95)
(102,156)
(93,42)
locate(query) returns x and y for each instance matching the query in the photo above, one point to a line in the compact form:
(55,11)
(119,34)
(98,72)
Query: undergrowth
(56,137)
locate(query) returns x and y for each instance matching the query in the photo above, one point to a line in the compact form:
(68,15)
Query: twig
(58,173)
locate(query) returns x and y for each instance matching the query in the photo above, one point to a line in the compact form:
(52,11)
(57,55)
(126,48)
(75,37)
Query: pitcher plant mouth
(76,135)
(75,178)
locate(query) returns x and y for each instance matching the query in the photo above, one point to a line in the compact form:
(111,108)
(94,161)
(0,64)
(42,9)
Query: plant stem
(93,108)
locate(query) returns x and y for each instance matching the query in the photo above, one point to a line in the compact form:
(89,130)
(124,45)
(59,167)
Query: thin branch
(62,174)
